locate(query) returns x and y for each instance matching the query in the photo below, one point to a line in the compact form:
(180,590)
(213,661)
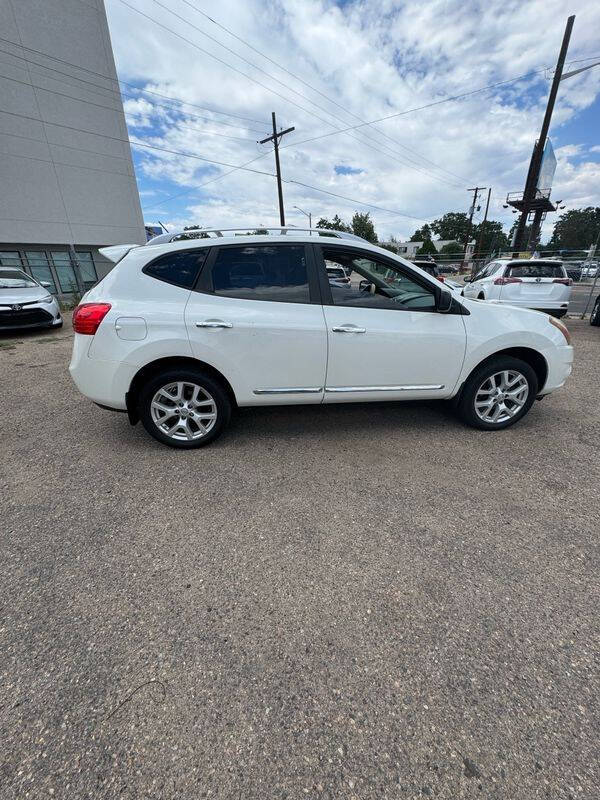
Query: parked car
(430,267)
(337,275)
(26,303)
(573,270)
(180,333)
(448,269)
(539,284)
(595,315)
(589,269)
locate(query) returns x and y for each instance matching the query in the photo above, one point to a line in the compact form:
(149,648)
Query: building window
(64,269)
(87,268)
(39,267)
(9,258)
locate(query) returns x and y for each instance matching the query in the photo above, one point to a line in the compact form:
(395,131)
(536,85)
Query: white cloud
(373,59)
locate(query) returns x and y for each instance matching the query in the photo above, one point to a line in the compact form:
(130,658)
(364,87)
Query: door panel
(271,351)
(400,354)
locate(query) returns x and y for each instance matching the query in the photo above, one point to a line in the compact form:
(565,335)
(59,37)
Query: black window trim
(204,283)
(147,266)
(326,289)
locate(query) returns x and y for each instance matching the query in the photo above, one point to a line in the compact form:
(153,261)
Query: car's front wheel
(184,408)
(498,393)
(595,315)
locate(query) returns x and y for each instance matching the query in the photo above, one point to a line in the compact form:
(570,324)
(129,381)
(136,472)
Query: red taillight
(504,281)
(564,281)
(88,316)
(440,278)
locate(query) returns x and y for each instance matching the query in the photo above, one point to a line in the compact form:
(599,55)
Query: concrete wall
(89,194)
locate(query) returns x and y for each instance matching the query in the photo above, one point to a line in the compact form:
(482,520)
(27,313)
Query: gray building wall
(66,173)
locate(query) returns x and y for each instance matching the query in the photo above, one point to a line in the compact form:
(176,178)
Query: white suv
(182,331)
(533,283)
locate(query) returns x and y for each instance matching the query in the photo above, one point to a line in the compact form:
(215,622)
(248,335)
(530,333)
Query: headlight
(47,299)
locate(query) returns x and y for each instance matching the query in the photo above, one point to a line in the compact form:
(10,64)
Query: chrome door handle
(214,323)
(348,329)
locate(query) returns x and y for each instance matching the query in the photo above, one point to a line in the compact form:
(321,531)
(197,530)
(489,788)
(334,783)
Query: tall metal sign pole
(531,184)
(275,139)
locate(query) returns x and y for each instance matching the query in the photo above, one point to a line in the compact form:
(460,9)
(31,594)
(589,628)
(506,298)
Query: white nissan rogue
(182,331)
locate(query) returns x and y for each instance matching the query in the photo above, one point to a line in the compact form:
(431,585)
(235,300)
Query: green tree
(427,248)
(335,224)
(576,229)
(493,237)
(452,225)
(392,245)
(451,248)
(362,225)
(421,234)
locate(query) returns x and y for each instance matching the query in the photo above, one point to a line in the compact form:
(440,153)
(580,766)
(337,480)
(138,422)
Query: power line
(421,108)
(114,80)
(314,89)
(240,72)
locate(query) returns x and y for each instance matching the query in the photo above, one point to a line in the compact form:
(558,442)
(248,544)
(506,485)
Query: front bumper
(30,315)
(560,366)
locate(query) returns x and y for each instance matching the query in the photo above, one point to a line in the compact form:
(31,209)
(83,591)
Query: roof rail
(209,233)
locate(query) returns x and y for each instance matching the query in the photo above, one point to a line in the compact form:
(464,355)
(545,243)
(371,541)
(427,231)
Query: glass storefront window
(64,269)
(40,269)
(9,258)
(87,268)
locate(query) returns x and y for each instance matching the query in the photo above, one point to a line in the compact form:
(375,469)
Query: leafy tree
(576,229)
(493,237)
(362,225)
(335,224)
(452,225)
(427,248)
(392,245)
(194,232)
(421,234)
(451,248)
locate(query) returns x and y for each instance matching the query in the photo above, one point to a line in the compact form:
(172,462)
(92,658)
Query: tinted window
(536,270)
(180,267)
(377,284)
(268,272)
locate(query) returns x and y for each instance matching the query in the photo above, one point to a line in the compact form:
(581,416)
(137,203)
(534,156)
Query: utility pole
(531,184)
(481,227)
(475,191)
(275,139)
(306,214)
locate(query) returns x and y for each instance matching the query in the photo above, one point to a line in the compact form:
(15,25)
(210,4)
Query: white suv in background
(534,283)
(183,330)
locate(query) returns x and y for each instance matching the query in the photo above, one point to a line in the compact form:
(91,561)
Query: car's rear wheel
(595,315)
(184,408)
(498,394)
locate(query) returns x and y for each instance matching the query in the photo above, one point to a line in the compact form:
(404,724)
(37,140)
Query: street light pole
(306,214)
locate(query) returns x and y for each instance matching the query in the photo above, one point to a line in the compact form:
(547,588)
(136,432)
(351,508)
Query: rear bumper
(104,382)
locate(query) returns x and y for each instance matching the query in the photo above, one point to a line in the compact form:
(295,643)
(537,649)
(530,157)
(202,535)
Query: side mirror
(46,284)
(467,280)
(444,303)
(364,286)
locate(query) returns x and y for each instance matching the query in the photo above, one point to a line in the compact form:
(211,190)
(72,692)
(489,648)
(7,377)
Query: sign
(547,168)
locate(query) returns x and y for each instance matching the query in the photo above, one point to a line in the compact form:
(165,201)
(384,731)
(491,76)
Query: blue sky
(332,66)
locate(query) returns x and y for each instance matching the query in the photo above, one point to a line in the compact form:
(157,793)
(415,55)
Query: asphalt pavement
(353,601)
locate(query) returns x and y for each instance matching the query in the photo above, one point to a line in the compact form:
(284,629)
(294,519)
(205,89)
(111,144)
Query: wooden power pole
(275,137)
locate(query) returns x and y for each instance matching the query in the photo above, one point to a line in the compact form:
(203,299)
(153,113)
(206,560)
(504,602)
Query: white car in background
(540,284)
(25,303)
(182,331)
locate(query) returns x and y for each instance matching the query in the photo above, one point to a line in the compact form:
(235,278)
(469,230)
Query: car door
(256,317)
(476,285)
(386,339)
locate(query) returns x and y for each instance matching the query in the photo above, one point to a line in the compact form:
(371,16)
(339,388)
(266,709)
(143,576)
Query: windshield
(15,279)
(536,270)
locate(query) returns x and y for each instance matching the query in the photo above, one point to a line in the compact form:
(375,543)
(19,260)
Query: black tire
(465,406)
(595,315)
(208,384)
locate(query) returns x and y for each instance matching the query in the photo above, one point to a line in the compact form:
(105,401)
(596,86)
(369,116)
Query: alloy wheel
(183,410)
(501,396)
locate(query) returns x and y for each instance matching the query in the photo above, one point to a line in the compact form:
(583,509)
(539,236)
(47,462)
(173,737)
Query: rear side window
(536,270)
(180,268)
(267,272)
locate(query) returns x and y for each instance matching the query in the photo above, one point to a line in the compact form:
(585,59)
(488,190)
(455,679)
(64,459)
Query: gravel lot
(330,602)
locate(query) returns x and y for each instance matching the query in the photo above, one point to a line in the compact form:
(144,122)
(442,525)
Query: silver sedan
(25,303)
